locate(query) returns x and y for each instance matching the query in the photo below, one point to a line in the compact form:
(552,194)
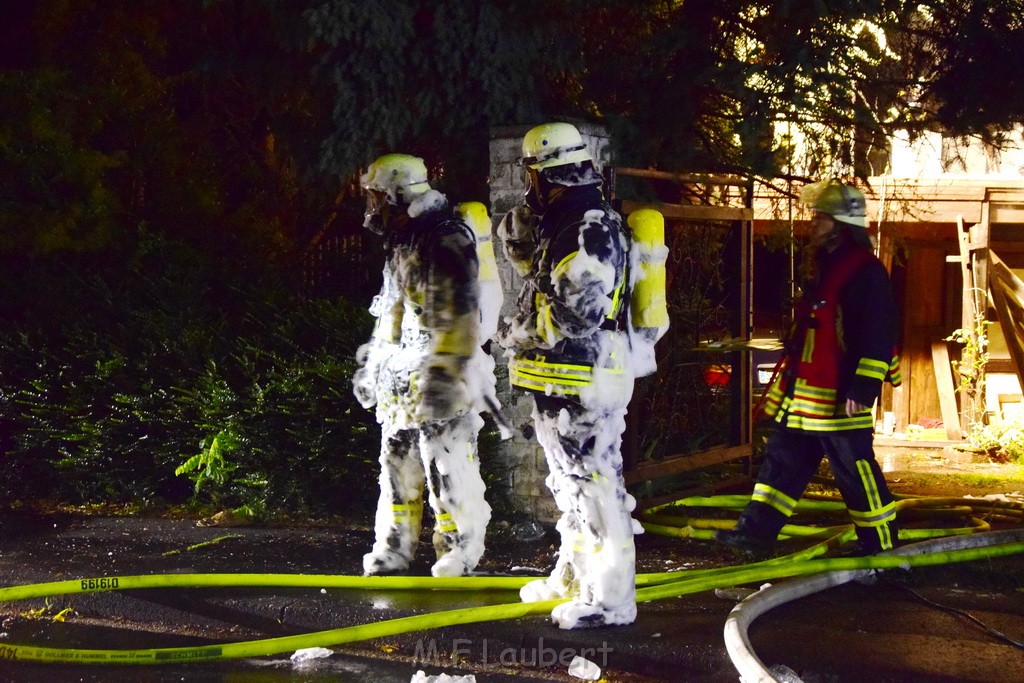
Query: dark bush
(114,374)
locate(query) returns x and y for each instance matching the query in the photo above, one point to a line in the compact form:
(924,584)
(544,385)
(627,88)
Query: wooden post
(947,394)
(972,403)
(969,310)
(979,234)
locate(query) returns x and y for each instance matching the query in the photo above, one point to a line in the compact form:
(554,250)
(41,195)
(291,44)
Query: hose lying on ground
(654,586)
(737,643)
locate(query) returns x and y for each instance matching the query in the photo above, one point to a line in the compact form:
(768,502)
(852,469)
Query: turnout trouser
(792,457)
(596,557)
(442,455)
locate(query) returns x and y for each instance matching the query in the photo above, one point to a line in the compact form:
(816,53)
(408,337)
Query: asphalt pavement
(882,632)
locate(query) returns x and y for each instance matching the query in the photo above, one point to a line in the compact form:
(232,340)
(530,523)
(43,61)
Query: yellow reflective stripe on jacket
(875,369)
(534,374)
(895,374)
(811,409)
(808,350)
(563,266)
(542,386)
(775,498)
(544,323)
(823,424)
(812,401)
(802,388)
(775,396)
(616,299)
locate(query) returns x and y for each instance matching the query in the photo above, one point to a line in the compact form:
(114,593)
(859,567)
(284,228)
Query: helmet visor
(374,216)
(556,157)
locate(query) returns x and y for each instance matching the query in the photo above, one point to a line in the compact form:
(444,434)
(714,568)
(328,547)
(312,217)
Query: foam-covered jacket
(565,337)
(843,345)
(428,317)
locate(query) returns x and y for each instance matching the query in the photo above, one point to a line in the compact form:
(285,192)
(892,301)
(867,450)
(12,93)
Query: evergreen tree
(427,78)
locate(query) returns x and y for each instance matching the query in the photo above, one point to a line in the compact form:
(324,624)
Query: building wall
(932,155)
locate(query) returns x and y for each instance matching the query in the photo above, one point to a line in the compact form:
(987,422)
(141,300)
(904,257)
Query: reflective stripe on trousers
(790,461)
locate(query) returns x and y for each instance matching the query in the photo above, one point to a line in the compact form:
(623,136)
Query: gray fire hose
(737,643)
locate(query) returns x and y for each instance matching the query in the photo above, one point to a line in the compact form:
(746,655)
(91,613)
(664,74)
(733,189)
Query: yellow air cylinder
(648,303)
(475,215)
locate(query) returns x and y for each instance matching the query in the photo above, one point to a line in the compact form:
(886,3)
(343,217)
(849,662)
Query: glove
(518,233)
(519,332)
(364,387)
(443,393)
(371,357)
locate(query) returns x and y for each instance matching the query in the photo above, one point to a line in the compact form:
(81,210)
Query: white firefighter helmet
(402,177)
(843,202)
(554,144)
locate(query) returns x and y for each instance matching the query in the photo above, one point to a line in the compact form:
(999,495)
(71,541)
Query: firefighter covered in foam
(425,372)
(568,344)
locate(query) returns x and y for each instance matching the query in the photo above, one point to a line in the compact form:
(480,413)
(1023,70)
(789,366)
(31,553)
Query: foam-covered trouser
(442,455)
(790,460)
(596,559)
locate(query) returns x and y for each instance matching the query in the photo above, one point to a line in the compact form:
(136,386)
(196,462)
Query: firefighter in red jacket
(841,350)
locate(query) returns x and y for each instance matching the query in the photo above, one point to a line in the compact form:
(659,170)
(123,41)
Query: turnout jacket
(566,331)
(415,367)
(843,345)
(430,290)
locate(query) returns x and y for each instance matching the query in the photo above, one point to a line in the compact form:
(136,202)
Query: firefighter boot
(396,530)
(745,538)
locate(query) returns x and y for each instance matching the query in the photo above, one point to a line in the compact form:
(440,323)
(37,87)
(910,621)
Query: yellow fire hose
(653,586)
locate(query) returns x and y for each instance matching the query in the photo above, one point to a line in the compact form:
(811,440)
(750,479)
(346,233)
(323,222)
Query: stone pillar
(521,459)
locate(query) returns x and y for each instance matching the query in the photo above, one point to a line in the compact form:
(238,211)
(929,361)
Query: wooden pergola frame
(740,381)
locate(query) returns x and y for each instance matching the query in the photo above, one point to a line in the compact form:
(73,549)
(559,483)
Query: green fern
(209,466)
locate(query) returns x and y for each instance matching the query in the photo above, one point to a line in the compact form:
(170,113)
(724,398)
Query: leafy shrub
(114,375)
(1002,440)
